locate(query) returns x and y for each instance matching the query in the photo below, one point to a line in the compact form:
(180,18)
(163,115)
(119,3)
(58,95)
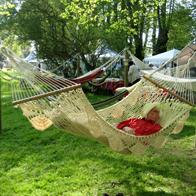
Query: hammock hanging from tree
(47,100)
(89,76)
(97,105)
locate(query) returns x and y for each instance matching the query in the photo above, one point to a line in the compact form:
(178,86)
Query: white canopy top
(161,58)
(105,52)
(32,57)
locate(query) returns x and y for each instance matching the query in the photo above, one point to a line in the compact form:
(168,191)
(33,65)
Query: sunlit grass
(57,163)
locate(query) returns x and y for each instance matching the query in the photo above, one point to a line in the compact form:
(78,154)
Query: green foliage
(56,163)
(8,28)
(6,9)
(62,29)
(182,27)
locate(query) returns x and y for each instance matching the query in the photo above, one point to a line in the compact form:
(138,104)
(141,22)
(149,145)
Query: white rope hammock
(141,65)
(46,100)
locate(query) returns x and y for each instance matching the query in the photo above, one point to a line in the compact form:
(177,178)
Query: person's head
(130,63)
(153,114)
(151,111)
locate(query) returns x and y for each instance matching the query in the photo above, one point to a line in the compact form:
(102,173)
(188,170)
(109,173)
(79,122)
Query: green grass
(57,163)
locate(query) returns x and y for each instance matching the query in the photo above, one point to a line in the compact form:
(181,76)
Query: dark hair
(130,63)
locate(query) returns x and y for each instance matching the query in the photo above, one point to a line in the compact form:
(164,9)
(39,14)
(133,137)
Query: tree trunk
(0,108)
(146,39)
(126,82)
(164,21)
(139,52)
(161,45)
(78,68)
(154,34)
(139,27)
(87,64)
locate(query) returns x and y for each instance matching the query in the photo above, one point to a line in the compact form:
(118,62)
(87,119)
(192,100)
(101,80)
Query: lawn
(57,163)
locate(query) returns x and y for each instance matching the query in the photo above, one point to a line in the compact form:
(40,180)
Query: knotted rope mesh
(46,100)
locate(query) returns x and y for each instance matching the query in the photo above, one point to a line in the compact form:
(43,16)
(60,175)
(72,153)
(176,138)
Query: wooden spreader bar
(65,89)
(167,90)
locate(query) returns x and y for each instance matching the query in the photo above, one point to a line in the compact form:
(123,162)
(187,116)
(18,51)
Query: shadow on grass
(193,112)
(150,193)
(188,130)
(63,155)
(54,149)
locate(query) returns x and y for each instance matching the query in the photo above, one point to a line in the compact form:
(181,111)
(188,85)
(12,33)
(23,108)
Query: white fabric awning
(161,58)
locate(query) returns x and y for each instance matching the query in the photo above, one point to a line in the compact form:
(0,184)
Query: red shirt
(140,126)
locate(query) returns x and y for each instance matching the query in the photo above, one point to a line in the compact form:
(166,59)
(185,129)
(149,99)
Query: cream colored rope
(72,112)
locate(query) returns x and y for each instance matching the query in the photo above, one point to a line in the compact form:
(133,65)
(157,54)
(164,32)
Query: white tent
(108,53)
(103,51)
(159,59)
(32,57)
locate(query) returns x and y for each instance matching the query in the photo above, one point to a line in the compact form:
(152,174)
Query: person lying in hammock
(143,126)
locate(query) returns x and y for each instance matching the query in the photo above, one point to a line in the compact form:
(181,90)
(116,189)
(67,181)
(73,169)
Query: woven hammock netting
(48,100)
(89,76)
